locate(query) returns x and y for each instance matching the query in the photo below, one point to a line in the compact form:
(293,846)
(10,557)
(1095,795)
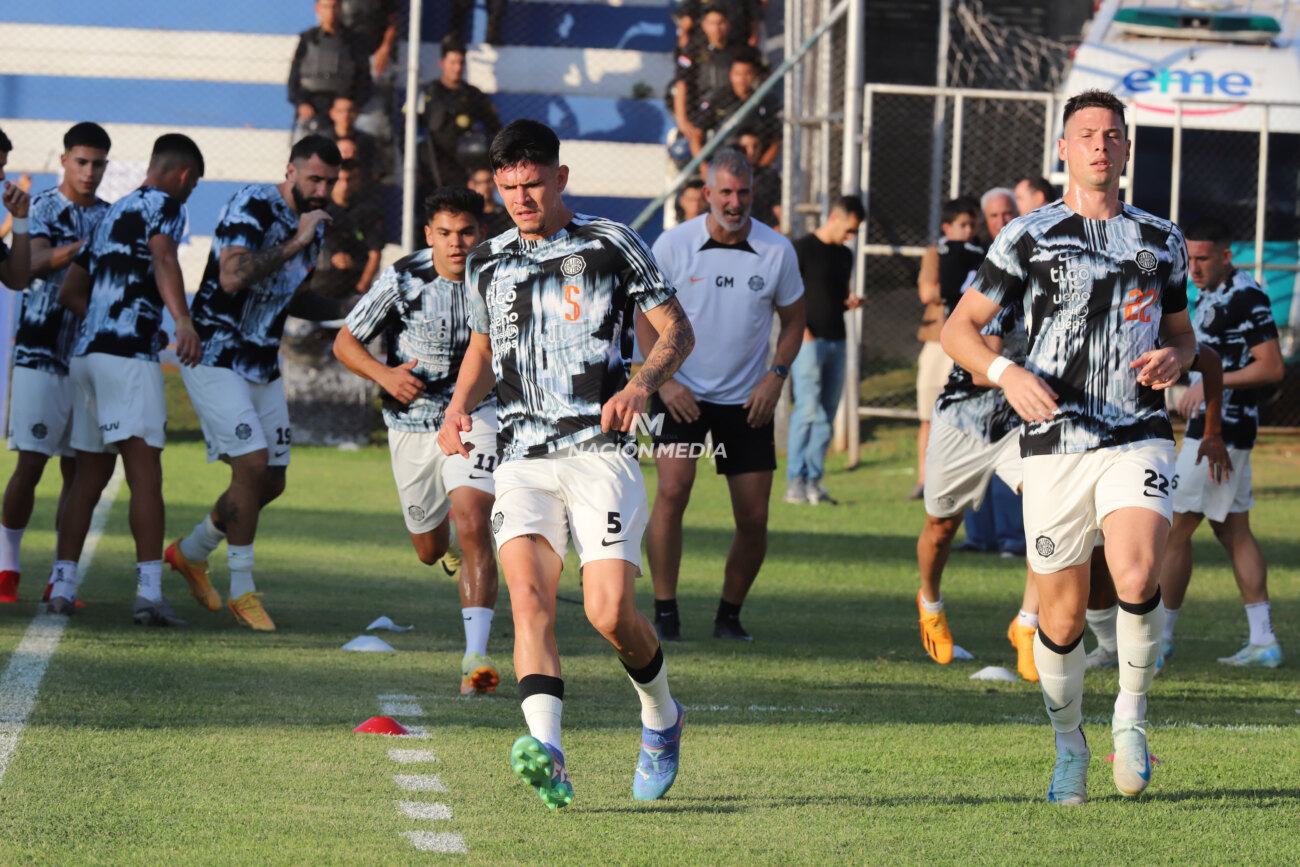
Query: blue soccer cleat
(1256,656)
(656,767)
(1132,762)
(1069,786)
(542,767)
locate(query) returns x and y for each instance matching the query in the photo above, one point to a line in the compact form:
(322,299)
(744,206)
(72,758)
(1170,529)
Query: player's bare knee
(273,484)
(942,530)
(674,492)
(752,524)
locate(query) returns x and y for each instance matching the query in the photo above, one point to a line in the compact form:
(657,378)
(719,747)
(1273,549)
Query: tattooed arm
(675,342)
(242,267)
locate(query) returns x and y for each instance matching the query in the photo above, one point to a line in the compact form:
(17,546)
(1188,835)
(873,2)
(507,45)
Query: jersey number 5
(570,296)
(1139,305)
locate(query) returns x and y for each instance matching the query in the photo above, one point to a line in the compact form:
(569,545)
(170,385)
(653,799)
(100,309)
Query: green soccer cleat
(1132,762)
(1069,778)
(542,767)
(1256,656)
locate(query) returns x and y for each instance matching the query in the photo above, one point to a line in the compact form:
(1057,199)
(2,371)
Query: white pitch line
(421,810)
(1217,727)
(22,679)
(397,696)
(409,757)
(417,732)
(429,841)
(760,708)
(400,708)
(419,782)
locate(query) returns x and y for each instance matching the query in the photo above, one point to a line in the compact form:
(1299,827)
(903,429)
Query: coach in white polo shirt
(731,273)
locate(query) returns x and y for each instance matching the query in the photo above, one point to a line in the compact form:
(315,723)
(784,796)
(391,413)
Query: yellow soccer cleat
(1022,639)
(478,675)
(934,634)
(248,611)
(195,575)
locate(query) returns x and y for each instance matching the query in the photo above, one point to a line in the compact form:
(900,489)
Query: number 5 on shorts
(615,524)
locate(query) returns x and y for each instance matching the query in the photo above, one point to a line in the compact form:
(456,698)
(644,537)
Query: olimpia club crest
(573,265)
(1146,260)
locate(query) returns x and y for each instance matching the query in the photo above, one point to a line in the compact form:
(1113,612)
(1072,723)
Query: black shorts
(738,448)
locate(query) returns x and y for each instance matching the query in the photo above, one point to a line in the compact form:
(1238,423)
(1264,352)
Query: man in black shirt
(328,62)
(717,107)
(767,180)
(495,218)
(817,375)
(703,66)
(460,120)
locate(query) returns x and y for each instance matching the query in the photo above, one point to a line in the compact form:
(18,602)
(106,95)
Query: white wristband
(996,369)
(20,225)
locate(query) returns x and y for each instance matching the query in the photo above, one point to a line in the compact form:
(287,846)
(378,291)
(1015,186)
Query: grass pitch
(831,738)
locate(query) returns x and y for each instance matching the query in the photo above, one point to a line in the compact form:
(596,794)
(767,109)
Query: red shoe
(9,585)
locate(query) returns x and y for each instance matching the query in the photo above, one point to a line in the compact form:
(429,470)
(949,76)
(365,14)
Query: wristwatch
(781,370)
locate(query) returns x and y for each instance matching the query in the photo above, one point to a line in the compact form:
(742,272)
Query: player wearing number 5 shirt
(1103,289)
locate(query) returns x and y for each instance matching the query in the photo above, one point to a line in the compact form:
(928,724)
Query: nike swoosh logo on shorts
(606,542)
(281,454)
(1153,496)
(472,476)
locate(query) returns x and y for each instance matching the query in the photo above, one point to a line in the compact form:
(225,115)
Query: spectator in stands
(998,524)
(329,61)
(343,120)
(767,180)
(743,17)
(817,375)
(354,239)
(1033,193)
(374,23)
(703,66)
(495,218)
(496,13)
(947,267)
(998,206)
(717,107)
(460,121)
(690,201)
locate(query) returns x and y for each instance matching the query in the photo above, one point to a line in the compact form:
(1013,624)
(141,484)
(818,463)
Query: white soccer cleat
(1100,657)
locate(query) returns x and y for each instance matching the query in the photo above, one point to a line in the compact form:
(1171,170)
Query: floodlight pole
(411,120)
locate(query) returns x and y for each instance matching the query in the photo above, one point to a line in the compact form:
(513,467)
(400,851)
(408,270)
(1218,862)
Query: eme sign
(1188,82)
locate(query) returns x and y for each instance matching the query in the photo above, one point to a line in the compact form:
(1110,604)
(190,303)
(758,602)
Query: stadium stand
(217,72)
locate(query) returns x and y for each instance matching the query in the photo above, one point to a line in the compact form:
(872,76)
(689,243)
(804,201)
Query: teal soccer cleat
(1256,656)
(1132,767)
(542,767)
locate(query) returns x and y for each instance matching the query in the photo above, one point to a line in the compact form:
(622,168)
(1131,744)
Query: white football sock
(64,579)
(1102,623)
(202,540)
(1024,618)
(239,559)
(1061,677)
(148,580)
(1138,638)
(657,709)
(478,625)
(542,713)
(1171,617)
(932,607)
(11,542)
(1261,624)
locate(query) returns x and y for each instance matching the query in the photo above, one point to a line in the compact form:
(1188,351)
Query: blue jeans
(817,378)
(999,522)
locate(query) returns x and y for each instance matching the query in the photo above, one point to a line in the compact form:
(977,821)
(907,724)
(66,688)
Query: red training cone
(381,725)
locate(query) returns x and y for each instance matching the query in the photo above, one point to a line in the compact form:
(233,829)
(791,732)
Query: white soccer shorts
(596,497)
(1196,492)
(40,412)
(959,467)
(117,398)
(239,417)
(1068,496)
(426,477)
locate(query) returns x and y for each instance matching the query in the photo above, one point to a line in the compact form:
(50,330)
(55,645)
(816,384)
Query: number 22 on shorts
(571,294)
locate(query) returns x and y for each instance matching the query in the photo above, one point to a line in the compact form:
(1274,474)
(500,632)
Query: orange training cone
(381,725)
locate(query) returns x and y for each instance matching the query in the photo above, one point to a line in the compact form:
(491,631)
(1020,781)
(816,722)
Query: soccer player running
(119,284)
(550,310)
(420,306)
(265,246)
(34,393)
(1232,316)
(1103,288)
(734,273)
